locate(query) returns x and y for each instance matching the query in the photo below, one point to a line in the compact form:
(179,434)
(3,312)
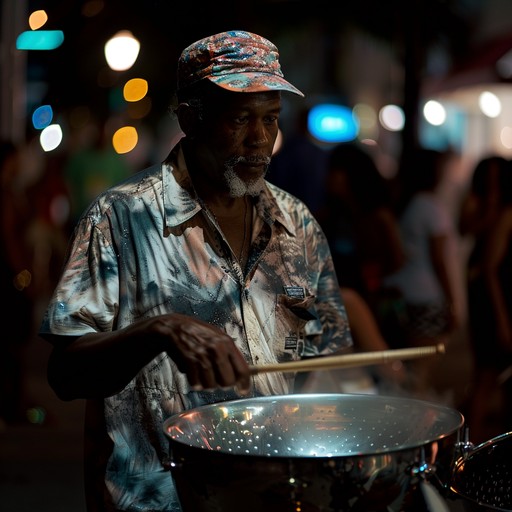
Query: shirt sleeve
(87,295)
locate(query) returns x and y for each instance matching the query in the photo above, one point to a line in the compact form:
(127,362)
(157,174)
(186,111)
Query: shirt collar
(181,203)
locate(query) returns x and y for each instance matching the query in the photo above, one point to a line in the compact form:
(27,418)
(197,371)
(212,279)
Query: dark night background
(310,36)
(388,51)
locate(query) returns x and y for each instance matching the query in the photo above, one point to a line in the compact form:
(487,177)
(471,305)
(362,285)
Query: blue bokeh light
(42,117)
(329,122)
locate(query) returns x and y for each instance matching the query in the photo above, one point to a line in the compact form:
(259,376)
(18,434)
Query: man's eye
(240,119)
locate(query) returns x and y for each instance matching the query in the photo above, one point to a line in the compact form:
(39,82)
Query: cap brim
(253,82)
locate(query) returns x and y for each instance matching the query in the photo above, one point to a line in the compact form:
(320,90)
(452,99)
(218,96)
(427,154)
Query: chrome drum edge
(483,477)
(319,452)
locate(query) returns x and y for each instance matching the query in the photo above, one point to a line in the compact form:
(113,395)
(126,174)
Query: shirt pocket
(292,315)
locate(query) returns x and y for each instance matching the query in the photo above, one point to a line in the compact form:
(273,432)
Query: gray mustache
(257,159)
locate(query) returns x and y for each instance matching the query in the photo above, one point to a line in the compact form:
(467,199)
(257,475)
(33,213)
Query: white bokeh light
(51,137)
(506,137)
(122,50)
(392,118)
(434,113)
(490,104)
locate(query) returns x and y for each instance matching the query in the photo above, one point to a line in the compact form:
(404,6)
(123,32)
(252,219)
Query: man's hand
(206,354)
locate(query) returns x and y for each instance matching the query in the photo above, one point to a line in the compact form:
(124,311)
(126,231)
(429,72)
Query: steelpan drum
(314,452)
(483,477)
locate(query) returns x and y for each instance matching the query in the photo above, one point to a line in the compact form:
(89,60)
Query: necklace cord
(245,232)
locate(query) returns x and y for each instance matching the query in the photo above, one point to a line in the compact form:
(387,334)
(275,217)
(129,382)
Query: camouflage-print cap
(236,60)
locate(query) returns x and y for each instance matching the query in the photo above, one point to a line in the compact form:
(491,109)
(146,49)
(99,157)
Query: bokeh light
(506,137)
(367,118)
(135,89)
(37,19)
(332,123)
(489,104)
(125,139)
(122,50)
(42,117)
(22,280)
(36,415)
(39,40)
(434,113)
(51,137)
(392,118)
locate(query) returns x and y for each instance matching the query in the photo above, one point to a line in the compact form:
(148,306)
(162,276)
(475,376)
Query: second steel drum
(483,476)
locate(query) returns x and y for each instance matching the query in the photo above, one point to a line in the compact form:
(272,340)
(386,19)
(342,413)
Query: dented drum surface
(311,452)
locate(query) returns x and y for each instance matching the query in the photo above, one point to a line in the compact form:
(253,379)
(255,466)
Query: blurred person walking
(485,219)
(429,239)
(362,231)
(360,224)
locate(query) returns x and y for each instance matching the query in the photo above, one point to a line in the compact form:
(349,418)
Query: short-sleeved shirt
(147,247)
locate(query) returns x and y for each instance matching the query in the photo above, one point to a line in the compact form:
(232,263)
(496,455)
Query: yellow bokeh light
(37,19)
(125,139)
(22,280)
(135,89)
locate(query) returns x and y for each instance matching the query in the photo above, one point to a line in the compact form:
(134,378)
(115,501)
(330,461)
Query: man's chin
(239,187)
(248,191)
(255,187)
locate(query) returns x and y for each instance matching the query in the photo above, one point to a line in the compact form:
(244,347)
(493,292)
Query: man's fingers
(209,357)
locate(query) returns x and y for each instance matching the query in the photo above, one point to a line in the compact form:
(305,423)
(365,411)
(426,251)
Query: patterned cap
(236,60)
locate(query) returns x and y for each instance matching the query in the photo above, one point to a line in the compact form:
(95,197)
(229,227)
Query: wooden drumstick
(350,360)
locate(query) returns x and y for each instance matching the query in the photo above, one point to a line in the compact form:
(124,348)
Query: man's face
(237,139)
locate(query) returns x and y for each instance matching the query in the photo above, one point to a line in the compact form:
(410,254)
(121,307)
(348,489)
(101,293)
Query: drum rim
(478,449)
(454,429)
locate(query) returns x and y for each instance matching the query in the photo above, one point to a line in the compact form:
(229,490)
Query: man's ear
(188,118)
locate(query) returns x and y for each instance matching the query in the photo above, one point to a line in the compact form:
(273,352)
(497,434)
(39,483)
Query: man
(186,273)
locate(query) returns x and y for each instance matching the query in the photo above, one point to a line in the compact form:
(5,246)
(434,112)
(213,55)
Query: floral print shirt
(147,247)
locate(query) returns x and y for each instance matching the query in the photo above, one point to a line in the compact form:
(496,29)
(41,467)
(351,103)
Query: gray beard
(237,186)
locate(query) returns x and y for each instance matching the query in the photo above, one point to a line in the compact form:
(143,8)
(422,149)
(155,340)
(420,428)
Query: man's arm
(101,364)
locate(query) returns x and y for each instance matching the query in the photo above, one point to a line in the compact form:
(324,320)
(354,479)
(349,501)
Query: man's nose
(258,135)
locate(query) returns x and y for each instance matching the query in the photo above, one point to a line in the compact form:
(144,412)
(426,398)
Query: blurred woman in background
(486,220)
(425,281)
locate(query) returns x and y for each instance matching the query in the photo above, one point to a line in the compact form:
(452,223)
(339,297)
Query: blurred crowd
(417,267)
(42,196)
(397,245)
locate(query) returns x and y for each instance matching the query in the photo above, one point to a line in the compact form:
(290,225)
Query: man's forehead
(237,100)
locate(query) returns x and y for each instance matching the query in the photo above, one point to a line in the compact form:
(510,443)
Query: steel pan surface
(316,425)
(314,452)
